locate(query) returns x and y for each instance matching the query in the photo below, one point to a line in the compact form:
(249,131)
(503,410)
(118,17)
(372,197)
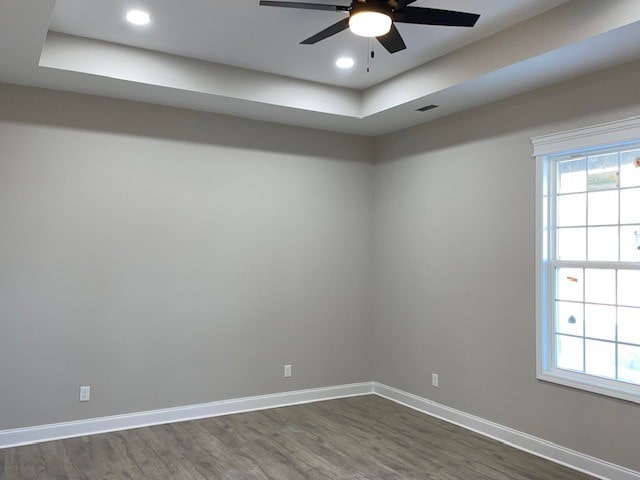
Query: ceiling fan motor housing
(380,6)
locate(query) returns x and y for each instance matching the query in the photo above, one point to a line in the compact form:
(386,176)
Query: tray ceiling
(241,59)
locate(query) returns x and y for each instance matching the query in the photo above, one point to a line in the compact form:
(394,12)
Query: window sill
(628,392)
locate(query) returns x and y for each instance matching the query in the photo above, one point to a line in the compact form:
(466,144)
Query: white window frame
(596,137)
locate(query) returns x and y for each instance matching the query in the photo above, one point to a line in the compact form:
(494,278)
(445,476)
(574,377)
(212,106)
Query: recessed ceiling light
(138,17)
(345,62)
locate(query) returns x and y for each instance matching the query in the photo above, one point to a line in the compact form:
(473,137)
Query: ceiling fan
(377,18)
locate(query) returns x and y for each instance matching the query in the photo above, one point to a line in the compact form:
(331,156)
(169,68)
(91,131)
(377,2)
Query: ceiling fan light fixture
(370,23)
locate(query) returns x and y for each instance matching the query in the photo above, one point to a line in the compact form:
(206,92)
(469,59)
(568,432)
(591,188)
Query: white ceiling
(239,58)
(243,34)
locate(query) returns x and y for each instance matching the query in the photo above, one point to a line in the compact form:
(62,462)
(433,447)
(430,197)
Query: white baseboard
(523,441)
(520,440)
(91,426)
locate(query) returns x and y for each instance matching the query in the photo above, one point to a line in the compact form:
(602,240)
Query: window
(588,256)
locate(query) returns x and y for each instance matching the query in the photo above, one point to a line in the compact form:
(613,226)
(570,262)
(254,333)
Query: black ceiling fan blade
(327,32)
(306,6)
(403,3)
(435,16)
(392,41)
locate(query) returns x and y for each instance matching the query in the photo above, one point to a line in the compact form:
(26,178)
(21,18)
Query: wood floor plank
(358,438)
(54,465)
(335,442)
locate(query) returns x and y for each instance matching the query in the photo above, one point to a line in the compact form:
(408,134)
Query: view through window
(597,288)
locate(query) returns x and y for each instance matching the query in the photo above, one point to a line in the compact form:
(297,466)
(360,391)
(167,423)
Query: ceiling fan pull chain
(368,48)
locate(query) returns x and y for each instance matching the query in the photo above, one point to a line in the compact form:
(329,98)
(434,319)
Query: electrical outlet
(287,371)
(434,379)
(85,394)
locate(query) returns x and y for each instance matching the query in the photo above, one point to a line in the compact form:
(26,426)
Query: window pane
(569,353)
(545,223)
(572,176)
(572,210)
(600,321)
(569,318)
(630,205)
(569,284)
(603,172)
(603,208)
(600,286)
(629,288)
(603,244)
(629,325)
(600,358)
(630,243)
(629,363)
(630,169)
(572,243)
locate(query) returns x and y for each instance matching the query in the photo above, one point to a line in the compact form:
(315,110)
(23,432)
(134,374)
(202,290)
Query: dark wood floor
(355,438)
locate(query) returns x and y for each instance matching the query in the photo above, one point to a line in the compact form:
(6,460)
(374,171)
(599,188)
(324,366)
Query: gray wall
(454,265)
(168,257)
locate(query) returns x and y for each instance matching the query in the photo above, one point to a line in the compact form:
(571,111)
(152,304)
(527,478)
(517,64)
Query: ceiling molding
(94,57)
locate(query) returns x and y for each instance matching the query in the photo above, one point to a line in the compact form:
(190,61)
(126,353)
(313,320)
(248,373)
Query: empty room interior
(331,239)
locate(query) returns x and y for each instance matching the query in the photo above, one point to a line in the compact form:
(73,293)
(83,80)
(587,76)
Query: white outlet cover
(85,393)
(287,371)
(434,379)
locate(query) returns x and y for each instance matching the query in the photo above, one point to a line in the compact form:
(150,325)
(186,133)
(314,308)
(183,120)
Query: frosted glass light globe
(370,24)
